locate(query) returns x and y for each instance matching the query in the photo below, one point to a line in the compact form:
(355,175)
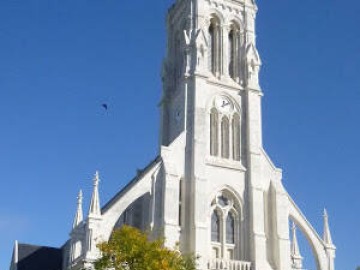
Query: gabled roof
(30,257)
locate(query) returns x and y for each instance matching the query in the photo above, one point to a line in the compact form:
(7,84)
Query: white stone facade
(212,189)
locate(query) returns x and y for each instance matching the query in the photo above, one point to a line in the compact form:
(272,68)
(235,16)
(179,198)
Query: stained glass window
(215,227)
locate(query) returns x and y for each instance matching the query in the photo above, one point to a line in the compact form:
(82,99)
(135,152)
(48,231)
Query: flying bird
(105,106)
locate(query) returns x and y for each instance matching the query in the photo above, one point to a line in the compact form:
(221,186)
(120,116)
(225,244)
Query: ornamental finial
(95,200)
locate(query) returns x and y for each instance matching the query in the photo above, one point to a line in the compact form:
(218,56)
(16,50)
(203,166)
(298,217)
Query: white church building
(212,189)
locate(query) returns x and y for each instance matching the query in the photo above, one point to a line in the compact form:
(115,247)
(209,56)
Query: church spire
(79,211)
(95,201)
(295,251)
(327,235)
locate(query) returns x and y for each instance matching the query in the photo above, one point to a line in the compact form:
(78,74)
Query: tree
(358,268)
(130,249)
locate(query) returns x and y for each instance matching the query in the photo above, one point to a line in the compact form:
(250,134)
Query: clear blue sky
(60,59)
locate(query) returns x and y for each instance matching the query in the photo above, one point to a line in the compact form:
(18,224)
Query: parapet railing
(222,264)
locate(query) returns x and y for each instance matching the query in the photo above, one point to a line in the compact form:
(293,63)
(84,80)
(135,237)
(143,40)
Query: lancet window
(225,227)
(225,137)
(225,133)
(230,229)
(215,46)
(215,227)
(214,132)
(236,136)
(233,54)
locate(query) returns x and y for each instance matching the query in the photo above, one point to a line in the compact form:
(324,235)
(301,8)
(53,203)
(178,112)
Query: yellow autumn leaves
(130,249)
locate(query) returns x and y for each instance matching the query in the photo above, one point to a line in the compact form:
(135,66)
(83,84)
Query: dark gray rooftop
(32,257)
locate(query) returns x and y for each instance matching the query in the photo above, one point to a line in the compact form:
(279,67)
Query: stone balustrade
(222,264)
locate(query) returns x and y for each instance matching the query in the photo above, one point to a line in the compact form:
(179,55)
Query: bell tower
(212,42)
(233,210)
(211,135)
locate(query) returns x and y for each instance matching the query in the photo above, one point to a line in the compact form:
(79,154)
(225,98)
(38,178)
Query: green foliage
(130,249)
(358,268)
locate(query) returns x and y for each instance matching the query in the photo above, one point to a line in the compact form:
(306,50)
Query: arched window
(224,129)
(225,137)
(236,136)
(230,229)
(231,54)
(234,52)
(225,227)
(215,48)
(214,132)
(215,227)
(212,47)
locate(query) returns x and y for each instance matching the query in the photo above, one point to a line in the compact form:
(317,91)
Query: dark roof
(32,257)
(140,174)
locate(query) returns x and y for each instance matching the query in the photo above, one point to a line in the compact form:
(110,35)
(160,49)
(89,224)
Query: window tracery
(225,227)
(225,138)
